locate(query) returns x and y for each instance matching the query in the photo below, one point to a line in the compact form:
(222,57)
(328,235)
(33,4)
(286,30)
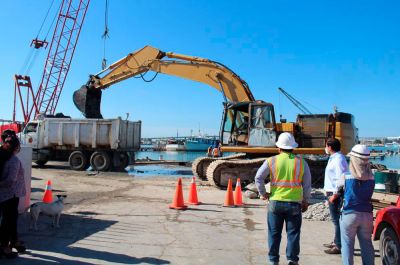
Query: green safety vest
(286,173)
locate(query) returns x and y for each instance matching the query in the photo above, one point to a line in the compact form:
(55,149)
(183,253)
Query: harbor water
(390,161)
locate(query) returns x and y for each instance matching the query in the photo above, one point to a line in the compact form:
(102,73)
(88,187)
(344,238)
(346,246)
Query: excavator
(248,127)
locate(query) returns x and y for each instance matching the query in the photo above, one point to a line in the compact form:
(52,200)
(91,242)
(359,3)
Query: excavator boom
(88,98)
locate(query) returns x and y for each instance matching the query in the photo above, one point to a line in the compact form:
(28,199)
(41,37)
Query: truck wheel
(78,161)
(100,161)
(41,163)
(389,247)
(122,160)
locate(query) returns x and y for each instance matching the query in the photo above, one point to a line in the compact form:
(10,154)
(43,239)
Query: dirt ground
(114,218)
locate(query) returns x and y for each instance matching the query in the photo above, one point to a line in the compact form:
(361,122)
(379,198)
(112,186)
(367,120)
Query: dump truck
(103,144)
(248,126)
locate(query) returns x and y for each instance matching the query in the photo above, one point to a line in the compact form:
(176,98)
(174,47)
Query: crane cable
(30,59)
(45,18)
(105,36)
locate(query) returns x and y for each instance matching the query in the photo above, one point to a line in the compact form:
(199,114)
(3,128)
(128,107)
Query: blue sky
(324,53)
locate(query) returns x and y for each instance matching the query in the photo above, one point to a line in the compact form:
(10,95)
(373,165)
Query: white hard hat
(286,141)
(361,151)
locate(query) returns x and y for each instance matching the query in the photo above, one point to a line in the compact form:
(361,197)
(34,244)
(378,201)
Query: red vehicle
(10,125)
(387,231)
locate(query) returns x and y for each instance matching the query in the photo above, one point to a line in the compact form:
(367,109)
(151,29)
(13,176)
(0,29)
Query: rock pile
(319,209)
(317,212)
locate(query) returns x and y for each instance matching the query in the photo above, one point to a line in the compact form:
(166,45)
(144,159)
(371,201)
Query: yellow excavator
(248,126)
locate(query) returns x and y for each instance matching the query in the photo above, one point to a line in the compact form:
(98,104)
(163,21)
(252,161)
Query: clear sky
(324,53)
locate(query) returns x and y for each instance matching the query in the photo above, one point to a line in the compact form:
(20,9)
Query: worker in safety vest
(290,179)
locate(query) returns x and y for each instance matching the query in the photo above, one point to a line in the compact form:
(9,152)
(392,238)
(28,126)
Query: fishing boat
(174,145)
(200,143)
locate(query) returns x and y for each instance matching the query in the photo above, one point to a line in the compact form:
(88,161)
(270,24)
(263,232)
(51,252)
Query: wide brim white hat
(360,151)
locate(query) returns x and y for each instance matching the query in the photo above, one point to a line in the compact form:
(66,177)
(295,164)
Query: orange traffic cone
(193,193)
(48,195)
(178,203)
(238,194)
(229,196)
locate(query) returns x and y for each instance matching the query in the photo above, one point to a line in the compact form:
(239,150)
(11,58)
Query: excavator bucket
(88,102)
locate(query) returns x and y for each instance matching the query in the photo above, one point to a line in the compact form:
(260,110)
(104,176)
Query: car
(387,231)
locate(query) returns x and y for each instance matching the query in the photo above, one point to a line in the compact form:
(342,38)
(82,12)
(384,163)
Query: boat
(392,144)
(174,145)
(200,143)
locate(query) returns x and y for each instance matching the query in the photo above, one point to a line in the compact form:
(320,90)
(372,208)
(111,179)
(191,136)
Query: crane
(297,103)
(57,65)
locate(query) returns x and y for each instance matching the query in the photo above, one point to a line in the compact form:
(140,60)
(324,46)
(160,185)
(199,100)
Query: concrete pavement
(113,218)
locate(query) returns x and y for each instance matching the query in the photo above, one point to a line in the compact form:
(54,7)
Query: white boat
(199,143)
(392,144)
(173,145)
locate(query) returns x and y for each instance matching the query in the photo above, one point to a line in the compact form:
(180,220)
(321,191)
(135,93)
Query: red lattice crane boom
(61,50)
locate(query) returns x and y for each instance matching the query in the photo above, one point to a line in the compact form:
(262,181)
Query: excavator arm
(88,98)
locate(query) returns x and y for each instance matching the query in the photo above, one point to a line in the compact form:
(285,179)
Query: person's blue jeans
(280,212)
(334,210)
(360,224)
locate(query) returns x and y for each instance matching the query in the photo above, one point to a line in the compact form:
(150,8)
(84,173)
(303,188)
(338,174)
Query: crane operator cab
(249,123)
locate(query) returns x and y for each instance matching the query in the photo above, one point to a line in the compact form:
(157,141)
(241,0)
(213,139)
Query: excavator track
(200,165)
(219,171)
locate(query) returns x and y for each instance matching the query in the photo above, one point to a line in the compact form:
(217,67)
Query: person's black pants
(9,221)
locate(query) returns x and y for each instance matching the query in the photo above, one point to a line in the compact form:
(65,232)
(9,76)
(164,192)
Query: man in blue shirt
(337,165)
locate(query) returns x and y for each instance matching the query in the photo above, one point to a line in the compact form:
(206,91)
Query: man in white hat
(290,179)
(357,218)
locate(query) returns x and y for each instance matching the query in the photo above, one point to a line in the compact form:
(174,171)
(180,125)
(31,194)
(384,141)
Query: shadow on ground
(51,245)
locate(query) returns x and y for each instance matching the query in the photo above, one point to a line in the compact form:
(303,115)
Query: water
(163,170)
(170,155)
(390,161)
(160,170)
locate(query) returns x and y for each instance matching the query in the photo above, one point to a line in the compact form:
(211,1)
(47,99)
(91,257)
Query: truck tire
(121,160)
(100,161)
(78,161)
(41,163)
(389,247)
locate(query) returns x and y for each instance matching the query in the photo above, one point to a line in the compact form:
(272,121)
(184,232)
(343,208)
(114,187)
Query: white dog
(53,209)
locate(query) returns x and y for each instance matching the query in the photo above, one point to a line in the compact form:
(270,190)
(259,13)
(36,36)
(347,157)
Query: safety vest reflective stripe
(272,168)
(286,184)
(297,165)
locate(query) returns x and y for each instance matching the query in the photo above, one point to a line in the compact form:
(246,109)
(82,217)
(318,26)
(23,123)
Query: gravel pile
(317,212)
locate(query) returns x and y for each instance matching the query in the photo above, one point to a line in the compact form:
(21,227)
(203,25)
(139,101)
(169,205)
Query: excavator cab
(248,123)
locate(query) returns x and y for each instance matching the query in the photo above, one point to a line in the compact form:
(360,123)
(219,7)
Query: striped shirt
(12,181)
